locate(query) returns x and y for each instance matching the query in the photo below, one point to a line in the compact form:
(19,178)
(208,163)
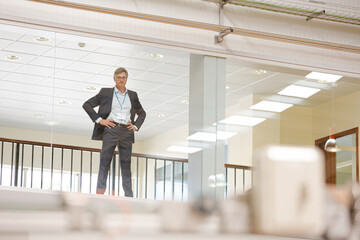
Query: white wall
(296,126)
(157,145)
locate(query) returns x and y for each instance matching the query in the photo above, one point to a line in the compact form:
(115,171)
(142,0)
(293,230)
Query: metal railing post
(17,160)
(155,180)
(46,177)
(12,164)
(137,177)
(22,165)
(164,179)
(2,159)
(113,175)
(81,167)
(146,176)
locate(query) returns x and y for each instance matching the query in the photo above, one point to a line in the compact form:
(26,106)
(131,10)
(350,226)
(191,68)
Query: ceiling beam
(205,26)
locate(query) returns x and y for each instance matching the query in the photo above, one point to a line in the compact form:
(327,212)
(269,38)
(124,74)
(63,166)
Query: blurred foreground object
(235,216)
(196,216)
(288,197)
(338,212)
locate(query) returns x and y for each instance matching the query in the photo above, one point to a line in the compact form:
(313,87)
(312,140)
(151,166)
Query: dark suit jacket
(104,100)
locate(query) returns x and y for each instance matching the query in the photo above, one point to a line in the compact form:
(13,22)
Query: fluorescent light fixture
(203,136)
(271,106)
(64,102)
(155,55)
(91,88)
(211,137)
(183,149)
(159,115)
(51,123)
(325,77)
(221,135)
(298,91)
(243,120)
(13,57)
(38,115)
(259,71)
(42,39)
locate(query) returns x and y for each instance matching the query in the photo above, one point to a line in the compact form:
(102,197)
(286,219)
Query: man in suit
(115,125)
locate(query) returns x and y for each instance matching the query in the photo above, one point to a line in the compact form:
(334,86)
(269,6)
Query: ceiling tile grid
(63,69)
(30,48)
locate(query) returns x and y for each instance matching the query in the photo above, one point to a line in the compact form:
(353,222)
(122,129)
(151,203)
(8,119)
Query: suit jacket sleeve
(90,104)
(140,112)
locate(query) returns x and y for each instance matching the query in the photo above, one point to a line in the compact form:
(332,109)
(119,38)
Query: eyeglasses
(120,78)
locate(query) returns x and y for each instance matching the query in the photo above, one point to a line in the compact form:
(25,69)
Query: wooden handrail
(238,166)
(141,155)
(89,149)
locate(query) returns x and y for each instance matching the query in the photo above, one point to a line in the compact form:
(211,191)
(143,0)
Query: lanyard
(121,104)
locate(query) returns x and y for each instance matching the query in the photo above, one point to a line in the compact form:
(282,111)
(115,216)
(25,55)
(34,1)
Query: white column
(207,106)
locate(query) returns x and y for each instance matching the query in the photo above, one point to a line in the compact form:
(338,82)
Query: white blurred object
(289,192)
(235,215)
(177,217)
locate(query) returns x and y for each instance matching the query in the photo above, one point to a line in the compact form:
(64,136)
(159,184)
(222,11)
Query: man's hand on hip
(131,126)
(107,123)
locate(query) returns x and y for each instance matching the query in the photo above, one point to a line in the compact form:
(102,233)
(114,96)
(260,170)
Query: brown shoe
(100,191)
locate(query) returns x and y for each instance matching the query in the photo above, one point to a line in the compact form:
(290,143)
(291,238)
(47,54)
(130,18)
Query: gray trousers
(123,139)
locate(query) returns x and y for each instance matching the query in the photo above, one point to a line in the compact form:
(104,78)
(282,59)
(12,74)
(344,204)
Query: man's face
(120,80)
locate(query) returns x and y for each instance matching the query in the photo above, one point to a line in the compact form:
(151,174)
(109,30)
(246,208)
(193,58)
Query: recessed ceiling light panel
(325,77)
(271,106)
(42,39)
(158,115)
(12,57)
(64,102)
(259,71)
(185,101)
(91,88)
(51,123)
(203,136)
(211,137)
(155,55)
(222,135)
(298,91)
(243,120)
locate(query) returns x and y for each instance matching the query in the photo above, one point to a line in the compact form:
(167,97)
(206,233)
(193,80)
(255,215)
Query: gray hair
(121,70)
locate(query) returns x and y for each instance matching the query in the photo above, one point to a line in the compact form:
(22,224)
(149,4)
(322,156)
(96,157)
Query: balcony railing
(239,179)
(70,168)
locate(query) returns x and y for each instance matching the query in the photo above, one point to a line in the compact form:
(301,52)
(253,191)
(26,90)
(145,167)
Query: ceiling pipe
(205,26)
(292,11)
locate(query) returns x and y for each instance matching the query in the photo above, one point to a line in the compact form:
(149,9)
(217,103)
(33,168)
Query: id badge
(121,116)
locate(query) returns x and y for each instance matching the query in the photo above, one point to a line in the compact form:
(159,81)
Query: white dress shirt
(120,107)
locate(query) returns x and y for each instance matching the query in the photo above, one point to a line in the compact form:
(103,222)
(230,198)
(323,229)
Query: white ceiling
(58,70)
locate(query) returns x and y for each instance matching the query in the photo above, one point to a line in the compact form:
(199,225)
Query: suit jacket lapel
(131,97)
(110,95)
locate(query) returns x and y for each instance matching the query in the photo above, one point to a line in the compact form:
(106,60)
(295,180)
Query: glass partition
(346,159)
(27,65)
(46,135)
(47,76)
(268,105)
